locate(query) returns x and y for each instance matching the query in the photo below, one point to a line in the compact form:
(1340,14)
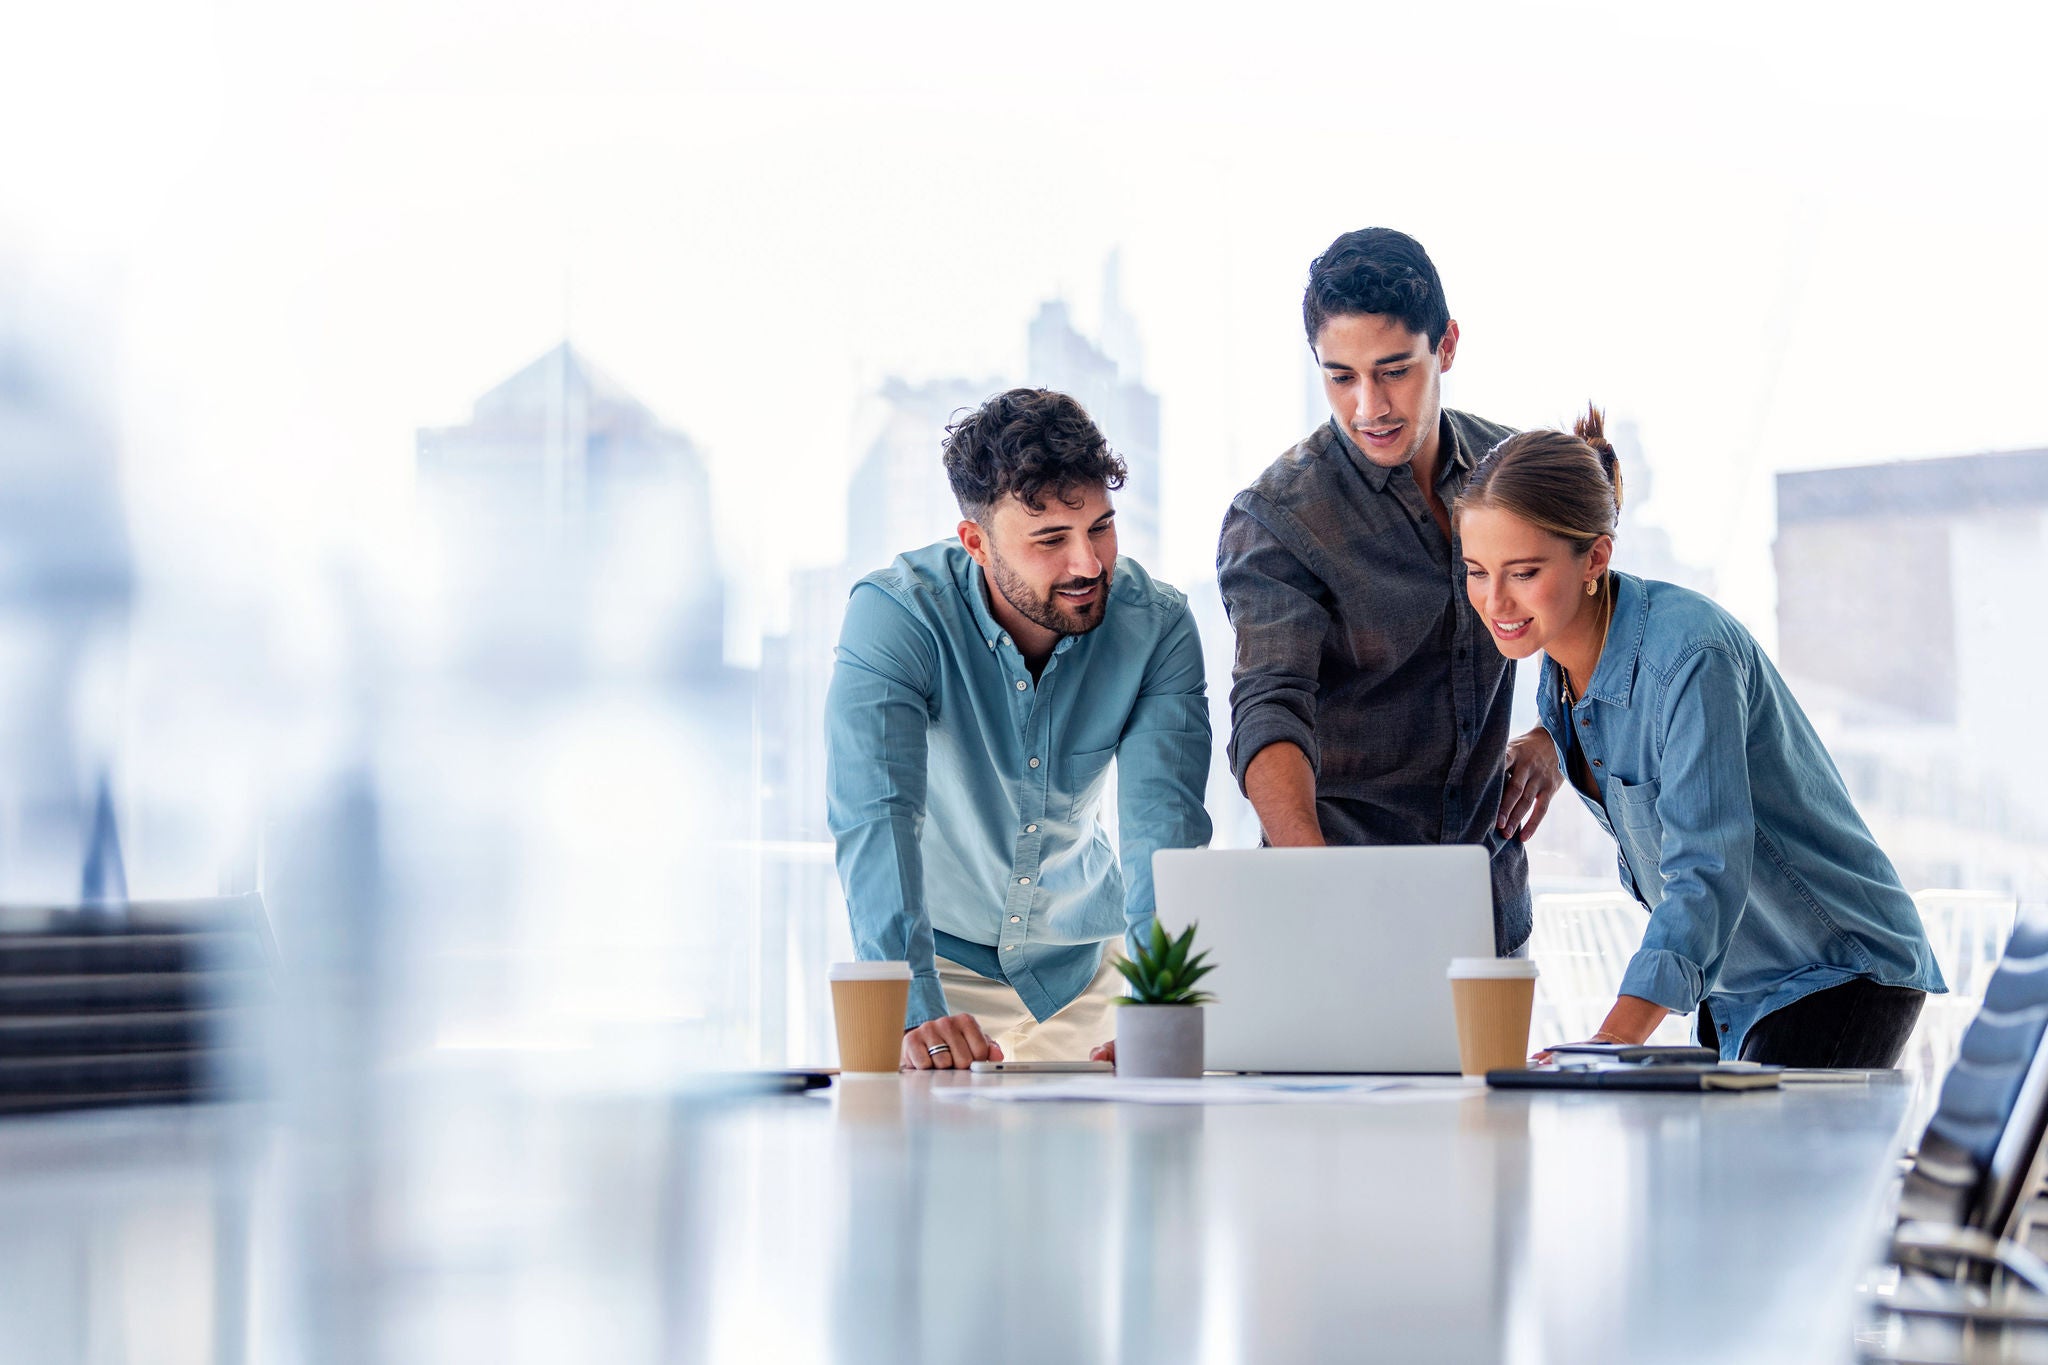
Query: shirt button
(1031,829)
(1034,762)
(1006,639)
(1020,684)
(1016,919)
(1023,881)
(1011,949)
(1596,762)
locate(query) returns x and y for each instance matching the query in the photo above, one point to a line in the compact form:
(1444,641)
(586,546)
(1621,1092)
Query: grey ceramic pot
(1158,1040)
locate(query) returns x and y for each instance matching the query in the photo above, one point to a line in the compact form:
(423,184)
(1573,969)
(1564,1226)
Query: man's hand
(1105,1052)
(958,1040)
(1532,779)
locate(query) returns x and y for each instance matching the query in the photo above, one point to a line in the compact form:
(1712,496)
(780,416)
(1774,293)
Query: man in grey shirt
(1368,704)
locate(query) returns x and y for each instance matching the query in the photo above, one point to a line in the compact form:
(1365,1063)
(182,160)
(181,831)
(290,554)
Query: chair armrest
(1937,1249)
(1945,1301)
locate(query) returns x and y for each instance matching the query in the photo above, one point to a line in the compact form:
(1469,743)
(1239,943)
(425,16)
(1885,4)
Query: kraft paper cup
(868,1004)
(1493,997)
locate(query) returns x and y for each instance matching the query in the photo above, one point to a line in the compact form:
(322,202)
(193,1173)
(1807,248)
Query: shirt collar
(1615,676)
(1458,455)
(974,586)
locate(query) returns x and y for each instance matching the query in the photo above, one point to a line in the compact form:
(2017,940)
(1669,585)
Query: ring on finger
(936,1048)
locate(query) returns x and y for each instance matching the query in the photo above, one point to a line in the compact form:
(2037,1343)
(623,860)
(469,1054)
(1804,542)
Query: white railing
(1583,941)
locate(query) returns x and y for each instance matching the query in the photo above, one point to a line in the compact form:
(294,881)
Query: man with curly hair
(1367,705)
(983,686)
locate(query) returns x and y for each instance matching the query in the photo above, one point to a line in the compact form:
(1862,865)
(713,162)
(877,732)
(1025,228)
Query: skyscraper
(1905,592)
(67,587)
(1060,357)
(577,527)
(595,761)
(899,498)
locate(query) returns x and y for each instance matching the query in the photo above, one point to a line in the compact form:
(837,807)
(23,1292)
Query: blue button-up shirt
(964,796)
(1734,829)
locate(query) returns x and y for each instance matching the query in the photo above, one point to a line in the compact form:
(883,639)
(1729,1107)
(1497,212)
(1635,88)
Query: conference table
(455,1215)
(919,1219)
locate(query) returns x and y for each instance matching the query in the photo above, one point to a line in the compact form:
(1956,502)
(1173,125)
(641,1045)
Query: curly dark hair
(1376,270)
(1027,442)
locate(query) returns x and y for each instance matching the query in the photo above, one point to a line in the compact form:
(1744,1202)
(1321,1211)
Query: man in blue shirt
(983,685)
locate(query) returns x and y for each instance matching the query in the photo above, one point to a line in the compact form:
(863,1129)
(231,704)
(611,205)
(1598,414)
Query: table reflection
(483,1217)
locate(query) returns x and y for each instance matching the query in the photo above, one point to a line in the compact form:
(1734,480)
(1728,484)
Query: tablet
(1641,1076)
(1014,1068)
(1579,1054)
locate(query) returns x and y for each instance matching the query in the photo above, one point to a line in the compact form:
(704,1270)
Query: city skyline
(752,233)
(910,498)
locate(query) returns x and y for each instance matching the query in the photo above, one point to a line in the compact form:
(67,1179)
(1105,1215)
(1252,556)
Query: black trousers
(1856,1024)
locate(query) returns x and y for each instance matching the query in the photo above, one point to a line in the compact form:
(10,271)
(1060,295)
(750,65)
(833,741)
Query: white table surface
(1570,1227)
(875,1222)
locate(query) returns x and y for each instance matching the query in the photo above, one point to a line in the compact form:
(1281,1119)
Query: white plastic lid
(870,971)
(1493,968)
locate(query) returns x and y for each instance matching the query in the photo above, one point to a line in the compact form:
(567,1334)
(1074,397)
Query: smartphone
(1018,1067)
(1583,1054)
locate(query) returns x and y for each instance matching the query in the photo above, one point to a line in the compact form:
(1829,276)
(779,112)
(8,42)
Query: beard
(1047,610)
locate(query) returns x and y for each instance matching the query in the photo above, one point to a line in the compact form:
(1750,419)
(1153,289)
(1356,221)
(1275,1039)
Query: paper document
(1225,1090)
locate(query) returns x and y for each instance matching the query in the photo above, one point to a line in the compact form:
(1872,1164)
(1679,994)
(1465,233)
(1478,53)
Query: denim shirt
(1734,829)
(964,797)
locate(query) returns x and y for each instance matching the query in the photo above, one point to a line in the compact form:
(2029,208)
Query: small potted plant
(1159,1024)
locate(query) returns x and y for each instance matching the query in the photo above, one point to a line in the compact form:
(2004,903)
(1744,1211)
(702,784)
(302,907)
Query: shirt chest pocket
(1633,809)
(1082,777)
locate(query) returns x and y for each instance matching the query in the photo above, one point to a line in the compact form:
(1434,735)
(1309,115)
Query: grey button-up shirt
(1355,642)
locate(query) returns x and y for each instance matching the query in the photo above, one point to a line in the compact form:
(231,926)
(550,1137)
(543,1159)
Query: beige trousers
(1087,1021)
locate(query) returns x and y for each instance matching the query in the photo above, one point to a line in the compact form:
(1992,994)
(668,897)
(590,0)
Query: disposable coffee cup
(868,1004)
(1493,997)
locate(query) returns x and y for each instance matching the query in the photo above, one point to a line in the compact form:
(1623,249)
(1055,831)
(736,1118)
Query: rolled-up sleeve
(1162,762)
(1708,833)
(1278,610)
(877,712)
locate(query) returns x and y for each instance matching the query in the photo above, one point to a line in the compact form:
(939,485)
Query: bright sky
(1776,236)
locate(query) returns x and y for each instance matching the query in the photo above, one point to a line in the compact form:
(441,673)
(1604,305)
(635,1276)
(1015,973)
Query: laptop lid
(1330,959)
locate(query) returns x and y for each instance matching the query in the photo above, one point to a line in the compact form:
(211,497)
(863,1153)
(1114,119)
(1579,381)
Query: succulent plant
(1162,973)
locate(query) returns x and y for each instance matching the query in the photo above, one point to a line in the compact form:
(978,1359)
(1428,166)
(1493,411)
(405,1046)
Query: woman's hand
(1543,1057)
(1532,779)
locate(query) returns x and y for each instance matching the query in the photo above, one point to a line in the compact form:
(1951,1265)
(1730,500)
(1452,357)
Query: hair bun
(1592,429)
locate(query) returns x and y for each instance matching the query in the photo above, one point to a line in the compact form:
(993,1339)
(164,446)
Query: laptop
(1330,959)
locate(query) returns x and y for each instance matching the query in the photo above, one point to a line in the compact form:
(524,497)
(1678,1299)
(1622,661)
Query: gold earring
(1592,587)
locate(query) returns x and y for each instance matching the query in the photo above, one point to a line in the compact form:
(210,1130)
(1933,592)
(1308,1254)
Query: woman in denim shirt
(1773,913)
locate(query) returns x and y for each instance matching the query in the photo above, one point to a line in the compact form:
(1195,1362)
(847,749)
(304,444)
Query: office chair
(1964,1198)
(133,1002)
